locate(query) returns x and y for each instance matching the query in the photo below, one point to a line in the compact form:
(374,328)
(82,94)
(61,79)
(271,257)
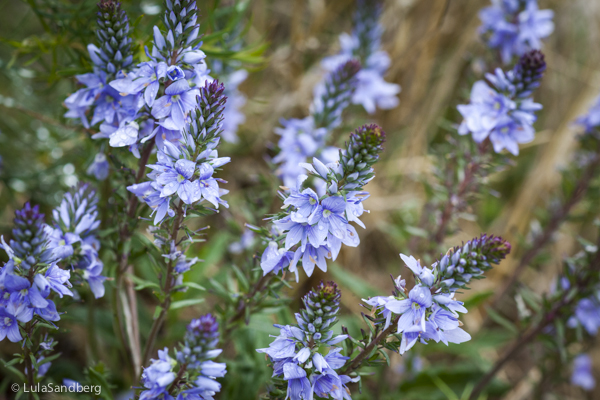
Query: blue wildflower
(371,90)
(99,168)
(176,104)
(591,120)
(515,27)
(582,375)
(503,112)
(9,321)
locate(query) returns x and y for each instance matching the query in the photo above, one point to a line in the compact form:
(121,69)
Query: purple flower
(158,376)
(284,345)
(379,303)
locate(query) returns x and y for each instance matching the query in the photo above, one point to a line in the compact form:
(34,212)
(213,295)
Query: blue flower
(158,376)
(502,116)
(587,314)
(424,274)
(9,321)
(176,104)
(534,25)
(298,384)
(370,90)
(284,345)
(146,78)
(582,375)
(99,168)
(275,259)
(175,73)
(413,309)
(306,201)
(591,121)
(176,179)
(514,29)
(328,216)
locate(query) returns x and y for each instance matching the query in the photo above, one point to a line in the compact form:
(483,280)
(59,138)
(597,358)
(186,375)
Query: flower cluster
(155,99)
(514,27)
(429,311)
(72,236)
(30,275)
(318,225)
(185,167)
(302,139)
(110,60)
(305,354)
(502,109)
(192,373)
(364,44)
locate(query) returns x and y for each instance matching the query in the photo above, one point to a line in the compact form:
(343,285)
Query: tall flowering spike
(367,29)
(113,37)
(529,72)
(429,311)
(305,355)
(30,241)
(316,226)
(207,123)
(334,94)
(361,153)
(364,44)
(471,260)
(180,19)
(514,27)
(201,337)
(503,110)
(73,236)
(321,306)
(185,167)
(193,365)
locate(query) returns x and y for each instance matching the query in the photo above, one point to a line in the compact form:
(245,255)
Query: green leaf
(500,320)
(185,303)
(477,299)
(444,388)
(386,356)
(193,285)
(142,283)
(355,283)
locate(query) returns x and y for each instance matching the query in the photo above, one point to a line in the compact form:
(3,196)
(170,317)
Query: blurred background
(436,56)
